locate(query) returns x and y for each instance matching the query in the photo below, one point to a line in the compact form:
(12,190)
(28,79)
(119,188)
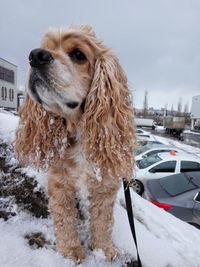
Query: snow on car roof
(178,155)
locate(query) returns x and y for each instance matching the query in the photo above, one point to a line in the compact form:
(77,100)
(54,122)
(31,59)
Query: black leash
(130,216)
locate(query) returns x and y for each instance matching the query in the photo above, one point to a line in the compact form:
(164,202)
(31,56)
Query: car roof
(155,145)
(161,146)
(179,156)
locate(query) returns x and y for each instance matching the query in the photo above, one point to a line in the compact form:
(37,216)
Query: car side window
(187,166)
(197,197)
(165,150)
(168,166)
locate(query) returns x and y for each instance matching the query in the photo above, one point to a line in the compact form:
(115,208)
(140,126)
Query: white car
(143,135)
(141,143)
(151,149)
(161,165)
(140,131)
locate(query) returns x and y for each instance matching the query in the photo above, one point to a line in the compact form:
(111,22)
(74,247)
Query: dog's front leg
(101,208)
(63,210)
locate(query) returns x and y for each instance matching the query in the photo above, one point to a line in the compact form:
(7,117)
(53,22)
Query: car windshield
(139,131)
(141,150)
(148,161)
(177,184)
(144,135)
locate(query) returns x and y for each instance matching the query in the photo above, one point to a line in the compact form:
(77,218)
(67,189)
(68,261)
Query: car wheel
(137,186)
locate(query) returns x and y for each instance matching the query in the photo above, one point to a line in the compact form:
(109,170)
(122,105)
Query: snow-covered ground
(163,240)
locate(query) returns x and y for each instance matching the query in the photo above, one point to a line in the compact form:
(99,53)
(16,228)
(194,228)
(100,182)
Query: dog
(76,121)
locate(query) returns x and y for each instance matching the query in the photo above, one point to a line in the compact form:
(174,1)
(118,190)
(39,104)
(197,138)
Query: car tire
(137,186)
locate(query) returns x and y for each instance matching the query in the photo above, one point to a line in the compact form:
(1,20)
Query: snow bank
(8,124)
(163,240)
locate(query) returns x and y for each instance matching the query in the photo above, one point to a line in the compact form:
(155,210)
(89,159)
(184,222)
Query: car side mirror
(152,171)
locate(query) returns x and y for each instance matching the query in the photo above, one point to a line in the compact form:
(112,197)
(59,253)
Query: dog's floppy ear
(39,135)
(108,129)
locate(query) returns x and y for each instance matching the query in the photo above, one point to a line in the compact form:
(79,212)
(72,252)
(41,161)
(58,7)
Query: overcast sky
(157,41)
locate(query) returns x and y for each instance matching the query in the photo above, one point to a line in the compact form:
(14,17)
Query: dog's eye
(77,56)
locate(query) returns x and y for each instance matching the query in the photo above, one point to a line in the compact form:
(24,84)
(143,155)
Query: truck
(174,125)
(143,122)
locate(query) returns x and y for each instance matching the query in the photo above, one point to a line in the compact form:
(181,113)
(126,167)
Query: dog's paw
(75,253)
(111,253)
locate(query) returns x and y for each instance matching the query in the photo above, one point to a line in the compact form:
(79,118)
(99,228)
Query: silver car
(178,194)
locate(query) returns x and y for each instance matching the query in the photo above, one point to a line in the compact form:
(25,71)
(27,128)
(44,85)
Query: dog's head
(74,76)
(62,69)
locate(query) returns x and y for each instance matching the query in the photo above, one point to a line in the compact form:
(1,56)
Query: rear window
(143,135)
(177,184)
(139,131)
(146,162)
(141,150)
(187,166)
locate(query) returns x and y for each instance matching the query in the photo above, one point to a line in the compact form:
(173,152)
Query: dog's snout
(39,57)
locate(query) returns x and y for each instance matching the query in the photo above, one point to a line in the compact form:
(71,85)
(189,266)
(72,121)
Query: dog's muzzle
(40,57)
(39,60)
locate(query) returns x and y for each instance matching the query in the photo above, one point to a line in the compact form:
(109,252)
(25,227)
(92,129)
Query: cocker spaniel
(77,122)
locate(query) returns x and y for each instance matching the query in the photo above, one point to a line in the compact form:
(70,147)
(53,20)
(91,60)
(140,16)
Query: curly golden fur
(88,144)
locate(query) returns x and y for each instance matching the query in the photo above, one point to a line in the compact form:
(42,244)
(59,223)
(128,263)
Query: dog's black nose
(39,57)
(72,105)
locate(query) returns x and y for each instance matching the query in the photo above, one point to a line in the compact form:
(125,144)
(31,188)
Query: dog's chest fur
(77,172)
(82,176)
(82,172)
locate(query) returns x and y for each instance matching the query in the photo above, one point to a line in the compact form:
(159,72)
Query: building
(8,85)
(195,112)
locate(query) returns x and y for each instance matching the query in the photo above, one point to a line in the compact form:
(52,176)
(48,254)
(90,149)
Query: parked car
(178,194)
(140,131)
(141,143)
(144,135)
(161,165)
(151,149)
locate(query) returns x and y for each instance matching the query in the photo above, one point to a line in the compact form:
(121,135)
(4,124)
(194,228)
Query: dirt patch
(24,189)
(37,240)
(6,214)
(4,148)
